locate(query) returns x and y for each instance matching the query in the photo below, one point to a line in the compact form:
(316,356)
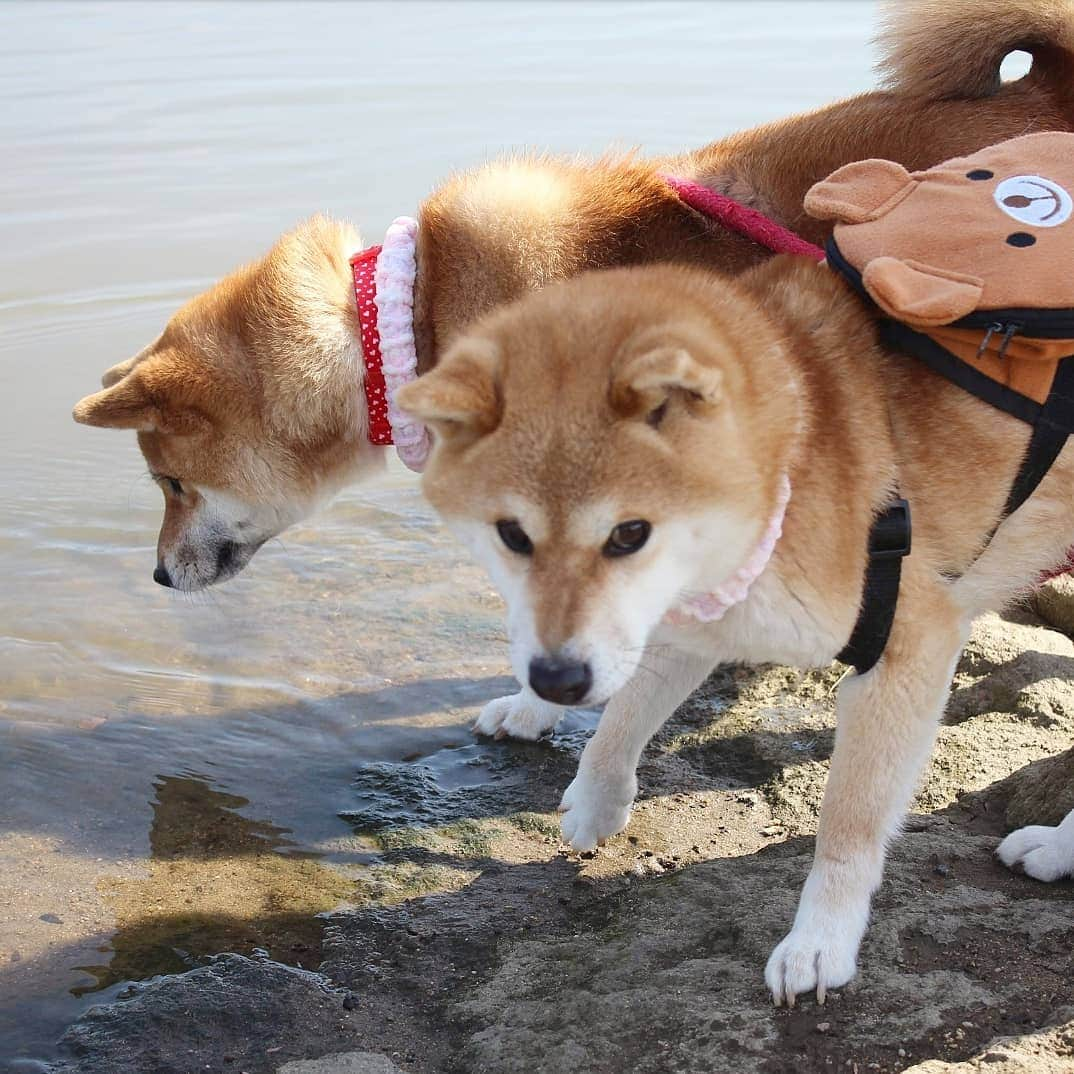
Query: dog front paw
(595,809)
(1042,853)
(522,715)
(809,958)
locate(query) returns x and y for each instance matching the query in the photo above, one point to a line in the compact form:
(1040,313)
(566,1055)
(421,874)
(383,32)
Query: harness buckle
(891,534)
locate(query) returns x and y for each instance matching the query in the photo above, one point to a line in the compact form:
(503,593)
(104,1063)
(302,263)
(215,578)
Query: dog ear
(647,381)
(114,375)
(859,192)
(127,404)
(920,294)
(458,396)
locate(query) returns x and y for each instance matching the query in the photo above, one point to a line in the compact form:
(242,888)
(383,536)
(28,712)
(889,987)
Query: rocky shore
(476,942)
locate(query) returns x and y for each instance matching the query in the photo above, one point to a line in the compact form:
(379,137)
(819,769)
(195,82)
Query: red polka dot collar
(384,295)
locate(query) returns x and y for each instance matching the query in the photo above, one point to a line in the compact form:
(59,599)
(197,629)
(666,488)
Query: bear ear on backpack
(920,294)
(859,192)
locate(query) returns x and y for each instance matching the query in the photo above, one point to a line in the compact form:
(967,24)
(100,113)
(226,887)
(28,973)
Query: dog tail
(954,48)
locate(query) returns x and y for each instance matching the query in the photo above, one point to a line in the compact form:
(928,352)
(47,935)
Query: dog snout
(162,577)
(560,680)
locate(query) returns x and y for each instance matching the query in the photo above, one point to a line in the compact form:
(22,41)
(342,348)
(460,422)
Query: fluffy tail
(954,48)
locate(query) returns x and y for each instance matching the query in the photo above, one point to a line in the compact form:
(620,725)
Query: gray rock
(234,1014)
(1048,1052)
(1042,792)
(343,1063)
(671,981)
(1054,602)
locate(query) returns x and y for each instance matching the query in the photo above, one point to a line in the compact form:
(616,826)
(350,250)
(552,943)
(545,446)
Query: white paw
(594,810)
(811,958)
(1043,853)
(522,715)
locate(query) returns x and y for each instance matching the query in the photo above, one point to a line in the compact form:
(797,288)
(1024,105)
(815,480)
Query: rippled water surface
(148,148)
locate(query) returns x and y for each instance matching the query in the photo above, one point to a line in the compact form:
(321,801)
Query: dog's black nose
(161,576)
(563,682)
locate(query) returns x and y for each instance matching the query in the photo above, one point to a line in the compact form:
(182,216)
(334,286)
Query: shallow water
(147,149)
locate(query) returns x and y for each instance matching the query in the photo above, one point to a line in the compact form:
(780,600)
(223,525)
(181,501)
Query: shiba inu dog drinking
(649,501)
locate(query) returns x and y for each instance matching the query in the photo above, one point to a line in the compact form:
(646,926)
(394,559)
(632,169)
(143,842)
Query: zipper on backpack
(1008,330)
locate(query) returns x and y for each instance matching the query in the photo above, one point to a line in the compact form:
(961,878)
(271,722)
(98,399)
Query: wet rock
(259,1013)
(485,779)
(343,1063)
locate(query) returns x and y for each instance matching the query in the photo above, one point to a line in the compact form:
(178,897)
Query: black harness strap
(889,542)
(903,338)
(1050,432)
(1052,422)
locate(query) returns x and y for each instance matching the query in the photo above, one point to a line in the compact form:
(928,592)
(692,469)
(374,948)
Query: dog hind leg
(1042,852)
(886,724)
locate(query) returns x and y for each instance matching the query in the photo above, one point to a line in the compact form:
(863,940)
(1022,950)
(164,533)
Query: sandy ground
(476,942)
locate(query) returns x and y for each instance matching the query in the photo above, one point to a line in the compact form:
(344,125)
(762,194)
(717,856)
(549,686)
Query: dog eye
(514,536)
(627,537)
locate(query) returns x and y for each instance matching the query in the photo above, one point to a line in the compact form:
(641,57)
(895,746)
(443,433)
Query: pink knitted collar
(709,607)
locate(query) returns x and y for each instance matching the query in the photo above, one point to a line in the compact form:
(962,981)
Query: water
(147,149)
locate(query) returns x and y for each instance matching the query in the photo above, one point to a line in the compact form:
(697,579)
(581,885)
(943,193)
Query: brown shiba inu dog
(616,446)
(250,407)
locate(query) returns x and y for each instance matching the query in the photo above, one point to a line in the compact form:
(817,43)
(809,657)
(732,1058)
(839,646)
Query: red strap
(365,292)
(742,219)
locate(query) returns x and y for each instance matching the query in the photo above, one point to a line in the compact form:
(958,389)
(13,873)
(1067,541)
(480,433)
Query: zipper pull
(993,328)
(1011,331)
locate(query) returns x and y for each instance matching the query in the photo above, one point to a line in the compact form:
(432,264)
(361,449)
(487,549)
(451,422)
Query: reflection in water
(218,881)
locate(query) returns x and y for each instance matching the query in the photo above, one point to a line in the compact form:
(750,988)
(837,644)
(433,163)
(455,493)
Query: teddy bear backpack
(972,266)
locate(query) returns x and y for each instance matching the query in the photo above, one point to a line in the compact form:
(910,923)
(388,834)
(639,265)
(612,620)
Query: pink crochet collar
(709,607)
(384,294)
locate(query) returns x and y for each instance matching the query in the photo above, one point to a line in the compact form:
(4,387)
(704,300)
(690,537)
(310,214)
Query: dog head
(990,231)
(248,408)
(605,446)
